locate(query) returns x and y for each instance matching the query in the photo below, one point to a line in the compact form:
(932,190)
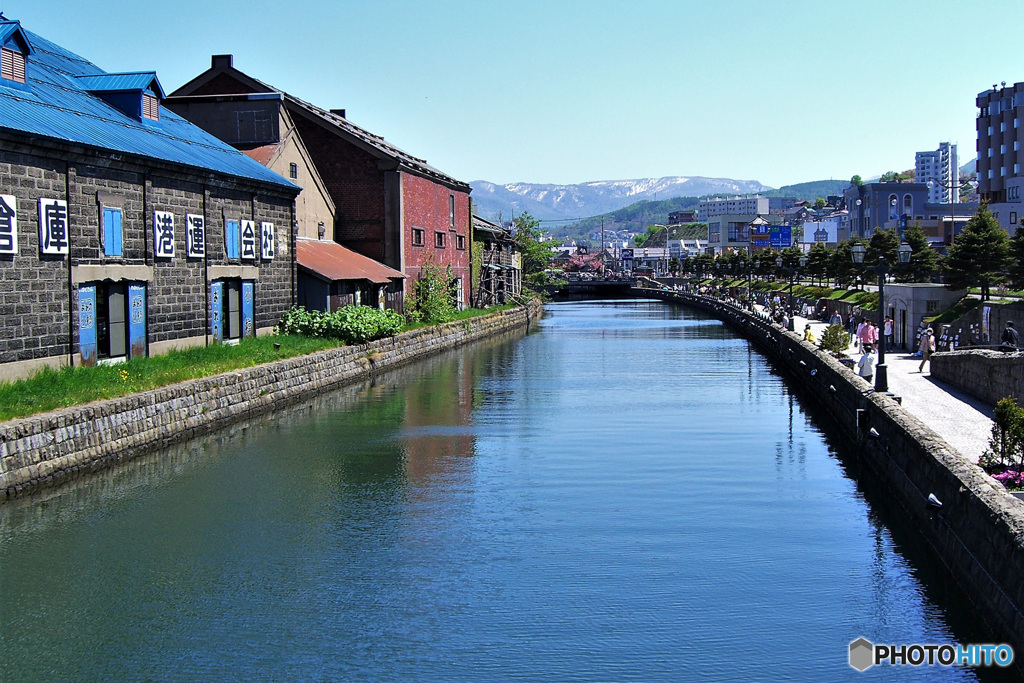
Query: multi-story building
(752,205)
(389,206)
(1000,131)
(871,205)
(939,170)
(498,271)
(124,229)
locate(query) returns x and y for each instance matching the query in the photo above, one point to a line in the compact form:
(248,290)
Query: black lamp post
(857,253)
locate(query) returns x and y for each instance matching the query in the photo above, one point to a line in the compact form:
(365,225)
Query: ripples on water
(628,494)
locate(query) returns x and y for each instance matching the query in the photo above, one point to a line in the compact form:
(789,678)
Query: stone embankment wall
(986,375)
(979,529)
(46,449)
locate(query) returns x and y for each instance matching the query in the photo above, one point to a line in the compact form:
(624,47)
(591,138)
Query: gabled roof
(341,126)
(57,105)
(11,30)
(331,261)
(123,82)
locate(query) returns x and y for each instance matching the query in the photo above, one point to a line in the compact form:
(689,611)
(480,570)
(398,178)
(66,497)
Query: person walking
(836,319)
(887,332)
(866,364)
(872,334)
(863,333)
(927,348)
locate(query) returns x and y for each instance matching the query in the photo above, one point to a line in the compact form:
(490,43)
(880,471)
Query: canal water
(628,493)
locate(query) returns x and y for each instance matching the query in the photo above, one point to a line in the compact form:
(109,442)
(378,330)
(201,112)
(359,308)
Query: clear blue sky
(565,92)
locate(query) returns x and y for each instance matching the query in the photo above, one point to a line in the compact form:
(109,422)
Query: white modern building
(752,205)
(941,171)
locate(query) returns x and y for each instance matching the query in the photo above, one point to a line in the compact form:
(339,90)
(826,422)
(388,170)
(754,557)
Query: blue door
(248,320)
(87,324)
(136,320)
(217,311)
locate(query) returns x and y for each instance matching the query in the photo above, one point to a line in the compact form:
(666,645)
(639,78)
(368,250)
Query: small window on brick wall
(439,240)
(12,65)
(451,210)
(460,242)
(150,107)
(417,237)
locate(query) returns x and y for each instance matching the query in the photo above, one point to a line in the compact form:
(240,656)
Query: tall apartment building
(1000,111)
(709,208)
(940,170)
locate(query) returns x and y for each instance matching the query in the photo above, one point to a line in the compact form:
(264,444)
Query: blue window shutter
(87,324)
(136,320)
(112,234)
(232,238)
(217,311)
(248,319)
(118,234)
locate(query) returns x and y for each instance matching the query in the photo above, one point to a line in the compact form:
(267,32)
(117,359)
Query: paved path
(964,422)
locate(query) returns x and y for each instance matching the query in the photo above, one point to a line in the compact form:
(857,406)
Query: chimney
(338,112)
(222,61)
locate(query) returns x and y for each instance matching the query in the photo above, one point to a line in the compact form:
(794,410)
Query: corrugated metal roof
(332,261)
(56,105)
(122,82)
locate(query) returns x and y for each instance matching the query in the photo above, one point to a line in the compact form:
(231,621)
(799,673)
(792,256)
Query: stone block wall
(47,449)
(978,532)
(986,375)
(39,304)
(34,305)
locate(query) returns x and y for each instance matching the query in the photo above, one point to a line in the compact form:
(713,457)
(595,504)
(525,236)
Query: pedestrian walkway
(964,422)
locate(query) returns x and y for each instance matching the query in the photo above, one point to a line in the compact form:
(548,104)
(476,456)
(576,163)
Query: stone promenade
(964,422)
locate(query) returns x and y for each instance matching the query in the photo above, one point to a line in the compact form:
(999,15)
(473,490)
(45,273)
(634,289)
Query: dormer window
(12,65)
(150,107)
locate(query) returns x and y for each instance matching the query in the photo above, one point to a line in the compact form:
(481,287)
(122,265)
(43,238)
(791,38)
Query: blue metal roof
(9,28)
(56,104)
(123,82)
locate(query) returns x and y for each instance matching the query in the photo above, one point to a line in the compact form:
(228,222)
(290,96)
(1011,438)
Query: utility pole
(602,245)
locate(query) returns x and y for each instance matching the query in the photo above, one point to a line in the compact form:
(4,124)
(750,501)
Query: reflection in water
(630,493)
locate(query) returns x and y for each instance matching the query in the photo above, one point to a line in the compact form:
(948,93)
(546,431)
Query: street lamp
(857,253)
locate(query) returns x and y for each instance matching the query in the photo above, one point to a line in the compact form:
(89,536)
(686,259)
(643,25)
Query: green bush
(1006,443)
(432,299)
(835,340)
(350,324)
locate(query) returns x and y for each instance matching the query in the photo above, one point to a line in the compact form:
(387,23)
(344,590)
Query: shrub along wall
(46,449)
(978,532)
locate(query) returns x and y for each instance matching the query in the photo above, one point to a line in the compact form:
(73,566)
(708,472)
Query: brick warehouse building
(124,229)
(389,205)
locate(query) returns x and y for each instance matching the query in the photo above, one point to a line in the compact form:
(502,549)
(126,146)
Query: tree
(842,267)
(924,262)
(883,243)
(818,260)
(819,203)
(536,255)
(980,255)
(856,181)
(1017,262)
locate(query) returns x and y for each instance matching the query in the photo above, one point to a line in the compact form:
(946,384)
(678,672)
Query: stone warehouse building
(124,229)
(387,205)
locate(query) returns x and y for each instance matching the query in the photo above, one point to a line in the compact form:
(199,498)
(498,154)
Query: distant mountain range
(555,202)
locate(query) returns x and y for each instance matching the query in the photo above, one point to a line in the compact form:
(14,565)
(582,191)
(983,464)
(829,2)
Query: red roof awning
(332,261)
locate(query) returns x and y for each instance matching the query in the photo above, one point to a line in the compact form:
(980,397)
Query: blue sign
(781,237)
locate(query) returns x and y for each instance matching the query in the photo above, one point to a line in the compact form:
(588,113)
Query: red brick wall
(425,204)
(355,184)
